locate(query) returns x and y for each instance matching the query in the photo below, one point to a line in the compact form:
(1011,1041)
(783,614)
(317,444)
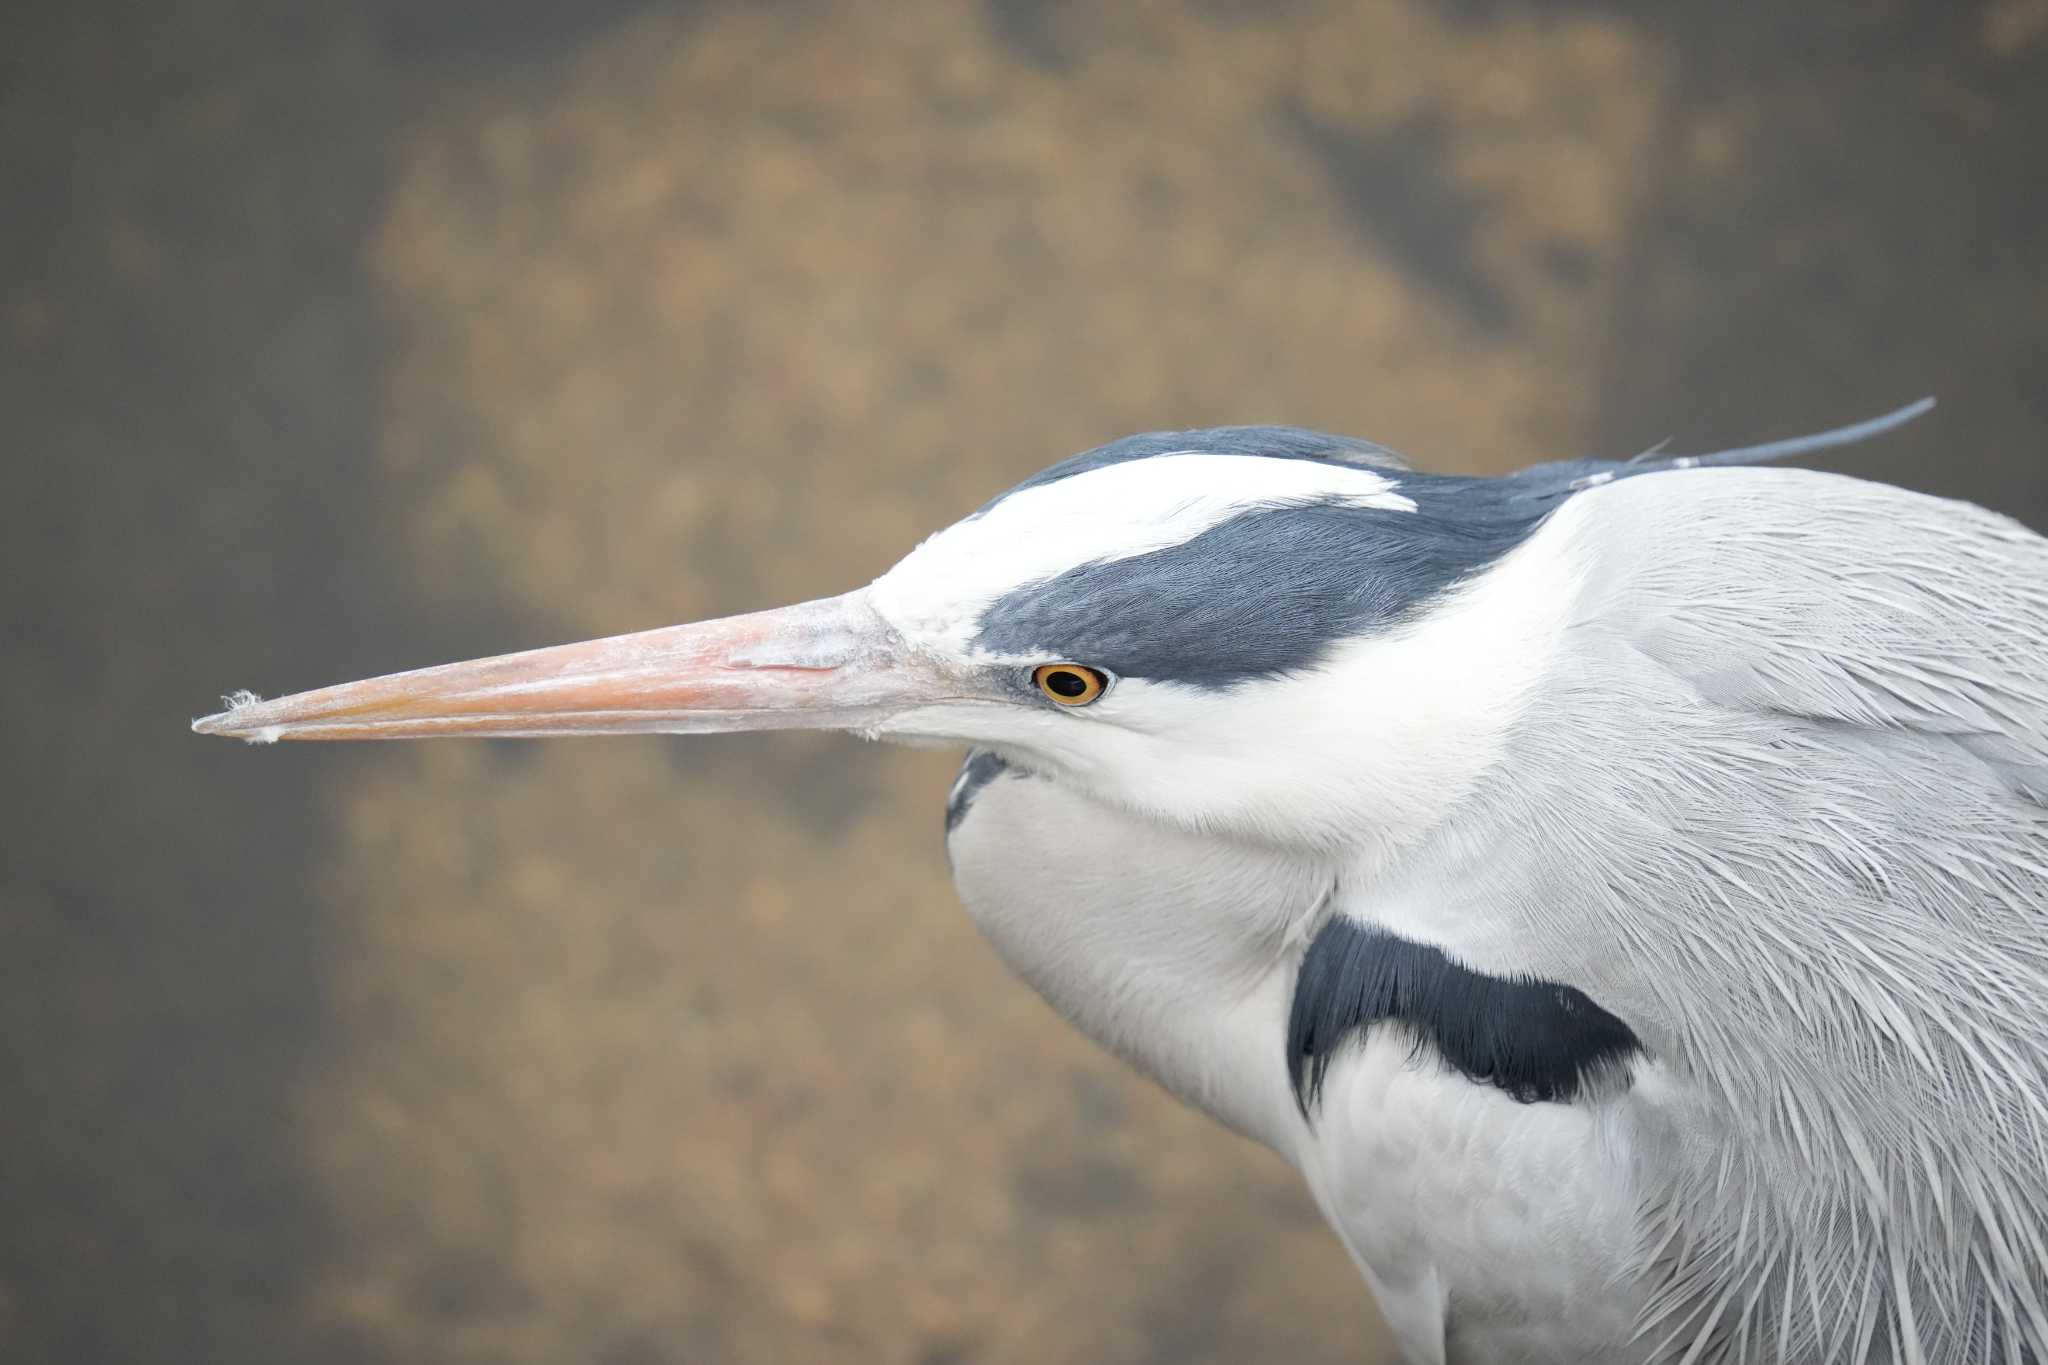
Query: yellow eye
(1069,684)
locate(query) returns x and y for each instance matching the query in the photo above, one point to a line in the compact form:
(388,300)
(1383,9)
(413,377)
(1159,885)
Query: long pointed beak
(833,664)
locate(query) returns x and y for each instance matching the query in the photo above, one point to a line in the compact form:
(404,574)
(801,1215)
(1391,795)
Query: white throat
(1171,950)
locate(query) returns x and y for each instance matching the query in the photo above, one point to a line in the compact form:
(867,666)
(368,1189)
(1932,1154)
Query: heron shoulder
(1779,808)
(1796,593)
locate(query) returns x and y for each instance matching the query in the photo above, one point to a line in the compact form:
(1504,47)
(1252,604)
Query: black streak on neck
(1536,1040)
(981,768)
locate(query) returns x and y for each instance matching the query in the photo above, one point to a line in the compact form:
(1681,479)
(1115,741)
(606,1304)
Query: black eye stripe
(1271,590)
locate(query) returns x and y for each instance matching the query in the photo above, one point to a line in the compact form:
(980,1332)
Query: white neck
(1169,949)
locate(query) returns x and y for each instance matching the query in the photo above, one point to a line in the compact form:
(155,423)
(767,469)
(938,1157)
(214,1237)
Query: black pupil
(1066,682)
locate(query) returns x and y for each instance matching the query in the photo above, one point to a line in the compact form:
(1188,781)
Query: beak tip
(234,723)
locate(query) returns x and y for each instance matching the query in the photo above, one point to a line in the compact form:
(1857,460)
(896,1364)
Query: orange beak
(833,664)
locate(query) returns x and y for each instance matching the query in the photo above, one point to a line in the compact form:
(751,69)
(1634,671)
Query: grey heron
(1619,888)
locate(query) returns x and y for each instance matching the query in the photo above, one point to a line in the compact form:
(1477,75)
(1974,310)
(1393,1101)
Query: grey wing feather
(1856,603)
(1838,900)
(1887,610)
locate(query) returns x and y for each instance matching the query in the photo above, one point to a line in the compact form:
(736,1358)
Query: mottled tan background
(338,337)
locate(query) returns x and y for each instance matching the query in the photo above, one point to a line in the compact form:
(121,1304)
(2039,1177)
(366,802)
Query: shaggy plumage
(1775,800)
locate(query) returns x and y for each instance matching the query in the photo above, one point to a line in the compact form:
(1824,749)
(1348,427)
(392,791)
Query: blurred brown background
(348,335)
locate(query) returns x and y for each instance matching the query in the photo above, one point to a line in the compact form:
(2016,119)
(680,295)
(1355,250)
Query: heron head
(1260,630)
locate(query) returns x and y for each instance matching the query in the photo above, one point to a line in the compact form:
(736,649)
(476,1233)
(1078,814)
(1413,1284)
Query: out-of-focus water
(340,337)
